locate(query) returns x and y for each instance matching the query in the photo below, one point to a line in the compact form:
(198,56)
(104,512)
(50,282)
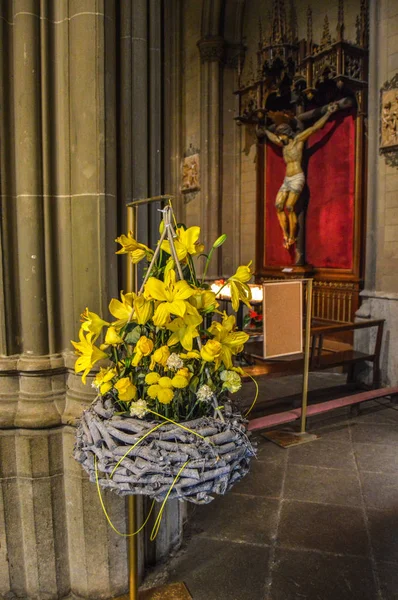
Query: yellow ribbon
(179,425)
(158,521)
(134,445)
(106,514)
(255,397)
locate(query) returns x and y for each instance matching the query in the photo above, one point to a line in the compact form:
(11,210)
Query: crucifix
(293,144)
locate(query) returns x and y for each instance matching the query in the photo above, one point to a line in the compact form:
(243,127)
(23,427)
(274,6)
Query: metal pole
(131,283)
(131,275)
(306,356)
(133,571)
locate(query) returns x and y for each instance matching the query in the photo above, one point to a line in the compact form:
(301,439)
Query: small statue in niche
(293,183)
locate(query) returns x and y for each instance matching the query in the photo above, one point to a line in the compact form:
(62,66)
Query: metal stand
(171,591)
(284,438)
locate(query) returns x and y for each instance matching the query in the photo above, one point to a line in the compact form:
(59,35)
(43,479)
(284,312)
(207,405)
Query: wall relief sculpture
(190,174)
(389,121)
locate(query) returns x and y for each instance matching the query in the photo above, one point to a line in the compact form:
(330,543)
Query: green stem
(207,264)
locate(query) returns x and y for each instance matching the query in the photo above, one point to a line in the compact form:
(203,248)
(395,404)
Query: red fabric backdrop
(329,195)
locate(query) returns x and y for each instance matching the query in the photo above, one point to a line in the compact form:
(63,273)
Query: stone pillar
(211,48)
(380,296)
(62,200)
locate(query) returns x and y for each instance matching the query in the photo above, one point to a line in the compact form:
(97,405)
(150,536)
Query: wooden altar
(293,80)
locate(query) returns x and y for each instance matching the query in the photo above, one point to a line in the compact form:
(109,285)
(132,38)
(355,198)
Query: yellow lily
(240,291)
(112,338)
(123,311)
(185,243)
(171,296)
(184,330)
(194,354)
(204,301)
(231,341)
(143,310)
(88,353)
(136,250)
(92,323)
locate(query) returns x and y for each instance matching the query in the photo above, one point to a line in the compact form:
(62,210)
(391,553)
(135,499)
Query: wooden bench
(322,357)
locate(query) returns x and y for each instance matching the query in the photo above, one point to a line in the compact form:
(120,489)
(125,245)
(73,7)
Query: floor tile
(323,453)
(376,433)
(238,518)
(383,526)
(267,451)
(318,484)
(204,565)
(388,578)
(376,457)
(335,430)
(339,529)
(264,479)
(380,490)
(314,576)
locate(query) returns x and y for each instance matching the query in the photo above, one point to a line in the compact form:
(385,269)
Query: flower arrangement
(162,424)
(169,347)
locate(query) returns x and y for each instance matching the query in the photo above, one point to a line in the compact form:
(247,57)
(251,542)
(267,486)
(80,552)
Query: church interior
(252,398)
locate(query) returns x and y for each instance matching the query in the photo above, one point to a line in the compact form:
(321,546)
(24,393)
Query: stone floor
(315,522)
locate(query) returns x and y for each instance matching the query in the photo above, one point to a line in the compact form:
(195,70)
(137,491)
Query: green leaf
(193,384)
(133,336)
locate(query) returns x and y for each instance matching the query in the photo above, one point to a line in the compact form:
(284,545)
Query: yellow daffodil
(179,381)
(211,351)
(171,296)
(123,311)
(135,250)
(125,389)
(240,291)
(184,330)
(231,341)
(88,353)
(204,301)
(112,338)
(143,348)
(185,243)
(159,357)
(103,379)
(92,323)
(184,372)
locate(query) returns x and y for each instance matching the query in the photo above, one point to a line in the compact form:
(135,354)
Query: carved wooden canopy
(293,74)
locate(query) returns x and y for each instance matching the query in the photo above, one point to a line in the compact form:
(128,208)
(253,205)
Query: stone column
(59,186)
(380,296)
(211,48)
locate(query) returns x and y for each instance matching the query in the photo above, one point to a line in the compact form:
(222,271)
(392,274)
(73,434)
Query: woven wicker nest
(215,463)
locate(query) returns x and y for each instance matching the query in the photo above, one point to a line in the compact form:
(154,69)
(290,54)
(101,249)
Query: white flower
(232,381)
(174,362)
(204,393)
(138,409)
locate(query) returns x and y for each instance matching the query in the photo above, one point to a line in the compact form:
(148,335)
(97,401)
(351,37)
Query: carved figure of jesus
(293,183)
